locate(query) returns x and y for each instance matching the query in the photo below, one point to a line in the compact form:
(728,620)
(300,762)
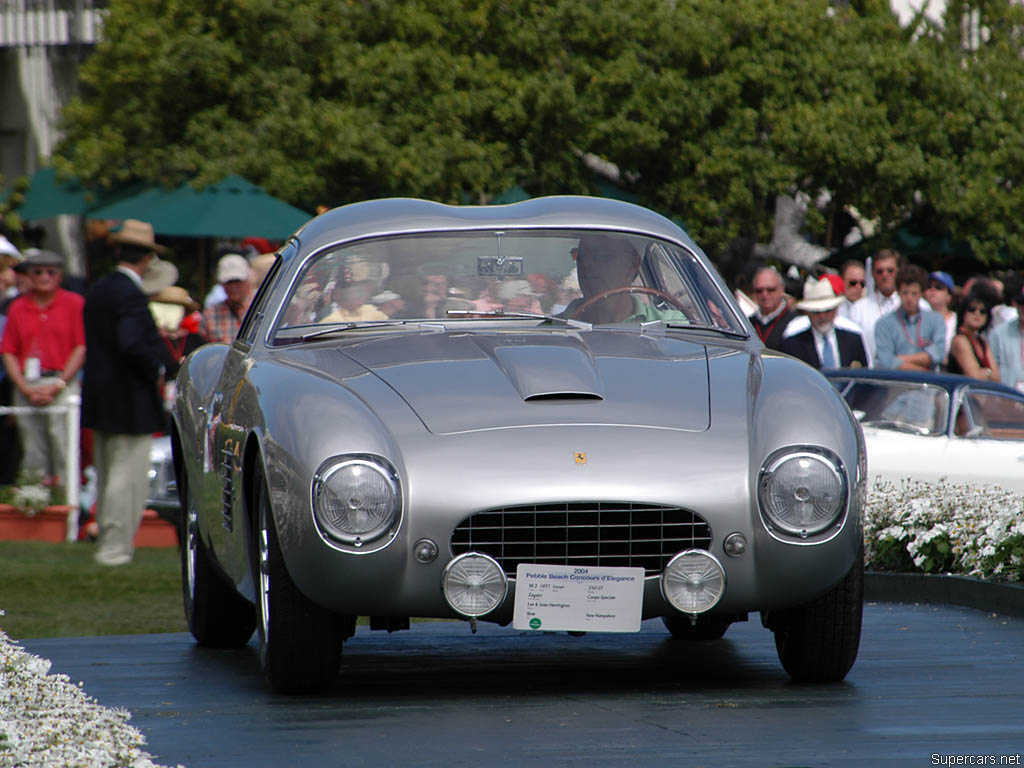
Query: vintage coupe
(932,428)
(549,414)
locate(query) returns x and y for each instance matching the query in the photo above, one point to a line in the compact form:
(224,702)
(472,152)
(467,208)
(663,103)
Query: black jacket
(124,359)
(851,348)
(771,334)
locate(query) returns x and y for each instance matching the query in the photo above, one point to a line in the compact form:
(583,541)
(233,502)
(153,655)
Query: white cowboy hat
(819,296)
(159,274)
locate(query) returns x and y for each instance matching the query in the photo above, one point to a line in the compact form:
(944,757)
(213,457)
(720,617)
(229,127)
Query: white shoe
(112,559)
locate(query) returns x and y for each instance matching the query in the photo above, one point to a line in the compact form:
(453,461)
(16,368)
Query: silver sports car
(549,414)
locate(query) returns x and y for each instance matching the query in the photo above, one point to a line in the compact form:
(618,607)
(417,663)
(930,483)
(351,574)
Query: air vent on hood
(563,397)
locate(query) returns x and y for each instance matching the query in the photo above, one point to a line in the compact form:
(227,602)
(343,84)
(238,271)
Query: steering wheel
(627,289)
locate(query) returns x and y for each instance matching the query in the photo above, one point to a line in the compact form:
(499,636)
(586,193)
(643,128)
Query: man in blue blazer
(121,390)
(822,339)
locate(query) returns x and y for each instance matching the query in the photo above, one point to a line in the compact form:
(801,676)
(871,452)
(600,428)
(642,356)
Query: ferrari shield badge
(580,456)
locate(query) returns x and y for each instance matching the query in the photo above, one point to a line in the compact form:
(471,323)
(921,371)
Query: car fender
(796,405)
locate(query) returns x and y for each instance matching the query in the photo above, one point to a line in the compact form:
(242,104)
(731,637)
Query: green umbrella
(515,194)
(232,207)
(47,196)
(143,205)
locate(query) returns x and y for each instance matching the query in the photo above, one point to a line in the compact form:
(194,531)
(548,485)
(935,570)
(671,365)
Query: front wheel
(300,642)
(218,617)
(817,642)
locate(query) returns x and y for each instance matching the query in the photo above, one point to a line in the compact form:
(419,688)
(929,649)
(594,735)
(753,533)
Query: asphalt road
(930,682)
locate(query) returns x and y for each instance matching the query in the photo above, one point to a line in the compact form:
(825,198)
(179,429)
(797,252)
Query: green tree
(709,109)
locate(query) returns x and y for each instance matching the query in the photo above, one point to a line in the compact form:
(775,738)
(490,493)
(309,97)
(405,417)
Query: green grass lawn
(56,590)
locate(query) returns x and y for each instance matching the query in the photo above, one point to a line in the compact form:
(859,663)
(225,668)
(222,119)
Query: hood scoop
(562,397)
(461,382)
(545,368)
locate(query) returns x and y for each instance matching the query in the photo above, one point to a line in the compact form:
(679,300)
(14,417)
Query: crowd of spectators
(901,316)
(116,346)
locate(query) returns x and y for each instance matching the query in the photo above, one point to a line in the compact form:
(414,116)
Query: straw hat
(175,294)
(819,296)
(138,234)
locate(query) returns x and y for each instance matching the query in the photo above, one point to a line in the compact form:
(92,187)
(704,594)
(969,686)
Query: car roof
(949,381)
(405,215)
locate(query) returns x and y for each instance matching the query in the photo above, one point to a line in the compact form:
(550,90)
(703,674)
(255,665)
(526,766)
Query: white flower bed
(45,720)
(969,530)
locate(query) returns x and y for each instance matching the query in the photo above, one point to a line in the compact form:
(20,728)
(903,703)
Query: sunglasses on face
(36,271)
(767,290)
(856,282)
(979,310)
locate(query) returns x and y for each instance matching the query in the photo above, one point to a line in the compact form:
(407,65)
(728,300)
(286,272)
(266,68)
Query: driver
(606,267)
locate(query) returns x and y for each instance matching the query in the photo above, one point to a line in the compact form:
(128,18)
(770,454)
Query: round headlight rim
(825,456)
(459,558)
(376,463)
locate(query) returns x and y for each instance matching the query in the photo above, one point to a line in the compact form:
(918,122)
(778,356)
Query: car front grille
(588,533)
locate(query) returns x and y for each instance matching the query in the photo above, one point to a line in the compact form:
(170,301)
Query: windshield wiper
(342,327)
(520,315)
(696,327)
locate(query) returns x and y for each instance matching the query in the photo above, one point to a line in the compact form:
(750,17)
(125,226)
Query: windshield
(600,278)
(902,406)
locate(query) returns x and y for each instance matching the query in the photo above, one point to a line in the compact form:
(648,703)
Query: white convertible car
(937,427)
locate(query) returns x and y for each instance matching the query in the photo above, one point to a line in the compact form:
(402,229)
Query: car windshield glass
(902,406)
(598,278)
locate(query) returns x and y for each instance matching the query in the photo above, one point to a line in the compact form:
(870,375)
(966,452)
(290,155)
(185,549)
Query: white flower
(47,721)
(31,498)
(976,520)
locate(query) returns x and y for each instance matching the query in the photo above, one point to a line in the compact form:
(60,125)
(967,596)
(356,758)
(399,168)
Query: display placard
(578,599)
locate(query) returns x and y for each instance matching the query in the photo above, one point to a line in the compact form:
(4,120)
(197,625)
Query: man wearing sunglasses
(883,298)
(43,350)
(854,283)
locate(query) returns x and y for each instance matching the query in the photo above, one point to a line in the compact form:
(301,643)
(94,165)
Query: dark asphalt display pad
(930,682)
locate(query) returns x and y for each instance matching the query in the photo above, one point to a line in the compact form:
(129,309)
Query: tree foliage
(709,109)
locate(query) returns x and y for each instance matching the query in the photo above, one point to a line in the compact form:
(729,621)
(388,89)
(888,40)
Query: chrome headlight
(356,499)
(802,491)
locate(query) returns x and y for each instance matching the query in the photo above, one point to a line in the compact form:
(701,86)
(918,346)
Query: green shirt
(644,312)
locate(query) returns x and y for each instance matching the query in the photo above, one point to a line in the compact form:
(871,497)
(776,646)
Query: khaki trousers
(44,436)
(122,472)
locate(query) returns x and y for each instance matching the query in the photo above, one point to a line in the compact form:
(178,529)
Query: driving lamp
(693,581)
(474,584)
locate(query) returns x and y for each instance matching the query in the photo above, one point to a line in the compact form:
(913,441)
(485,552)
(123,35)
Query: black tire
(817,642)
(300,641)
(706,628)
(218,617)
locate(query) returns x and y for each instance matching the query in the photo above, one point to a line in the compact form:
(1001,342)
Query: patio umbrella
(233,207)
(47,197)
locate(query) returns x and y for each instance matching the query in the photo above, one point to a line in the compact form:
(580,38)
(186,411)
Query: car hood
(460,382)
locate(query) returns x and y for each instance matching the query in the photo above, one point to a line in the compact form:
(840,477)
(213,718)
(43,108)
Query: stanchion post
(73,483)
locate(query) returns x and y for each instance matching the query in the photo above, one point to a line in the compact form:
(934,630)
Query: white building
(41,45)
